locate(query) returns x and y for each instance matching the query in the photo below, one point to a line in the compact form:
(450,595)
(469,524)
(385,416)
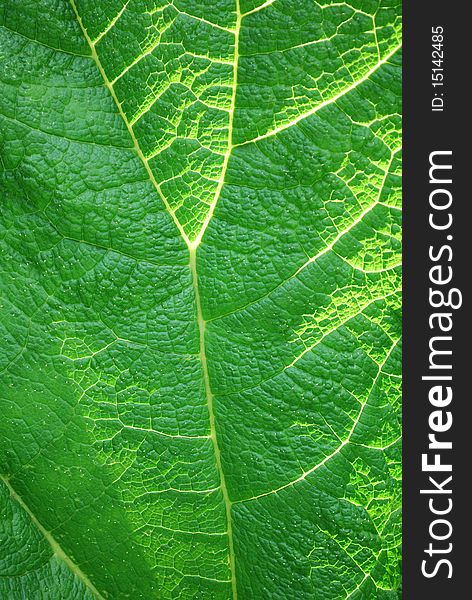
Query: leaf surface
(200,299)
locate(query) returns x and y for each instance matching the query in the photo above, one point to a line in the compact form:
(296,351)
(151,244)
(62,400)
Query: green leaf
(200,299)
(32,563)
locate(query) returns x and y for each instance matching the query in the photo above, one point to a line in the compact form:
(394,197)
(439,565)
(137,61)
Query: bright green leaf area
(200,299)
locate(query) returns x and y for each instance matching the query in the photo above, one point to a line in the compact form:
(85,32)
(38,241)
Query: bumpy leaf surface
(200,296)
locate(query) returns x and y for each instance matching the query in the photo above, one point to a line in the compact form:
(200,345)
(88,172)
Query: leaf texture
(200,299)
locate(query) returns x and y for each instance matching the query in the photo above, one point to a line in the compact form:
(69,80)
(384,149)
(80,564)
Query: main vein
(211,411)
(193,246)
(56,548)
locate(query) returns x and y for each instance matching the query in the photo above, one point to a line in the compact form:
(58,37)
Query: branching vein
(56,548)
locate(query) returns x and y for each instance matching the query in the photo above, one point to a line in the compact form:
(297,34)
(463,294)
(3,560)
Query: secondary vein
(56,548)
(201,321)
(230,147)
(137,147)
(192,246)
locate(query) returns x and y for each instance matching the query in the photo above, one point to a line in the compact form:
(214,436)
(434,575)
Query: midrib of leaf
(201,321)
(192,247)
(56,548)
(211,412)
